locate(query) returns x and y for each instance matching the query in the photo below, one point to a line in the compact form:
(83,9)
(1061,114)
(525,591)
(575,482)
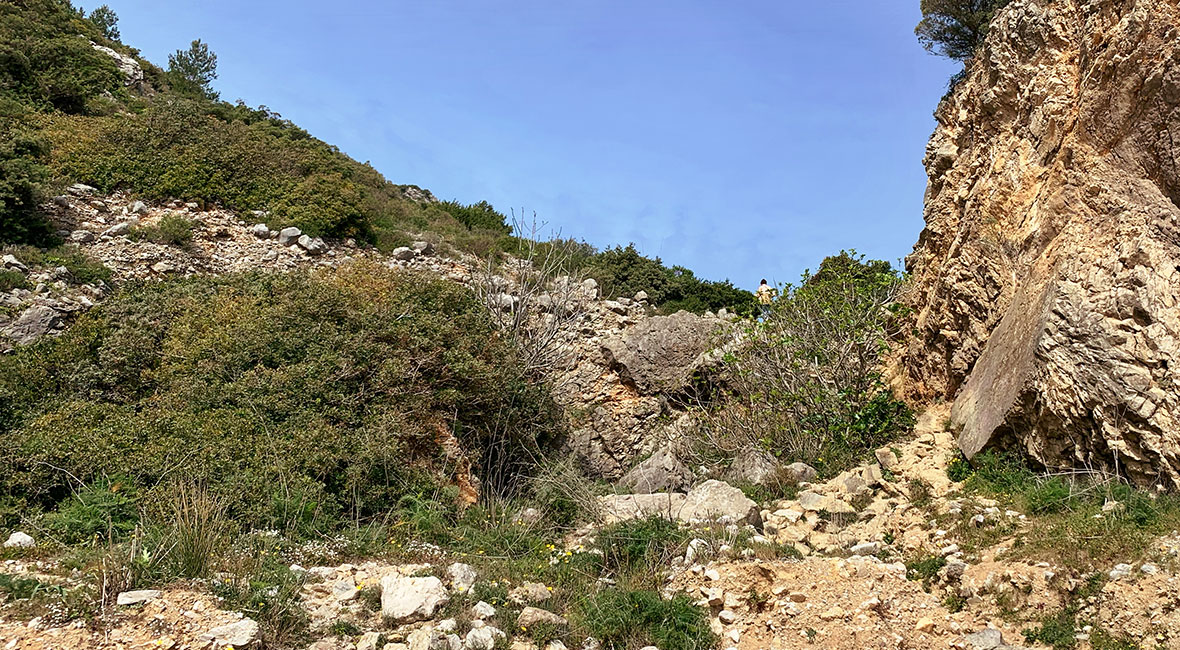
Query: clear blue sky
(739,139)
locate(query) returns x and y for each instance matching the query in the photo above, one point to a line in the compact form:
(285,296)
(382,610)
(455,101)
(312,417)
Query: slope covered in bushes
(299,399)
(68,114)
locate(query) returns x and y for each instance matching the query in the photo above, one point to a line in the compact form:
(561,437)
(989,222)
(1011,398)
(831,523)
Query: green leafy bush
(104,510)
(806,385)
(295,398)
(622,620)
(172,229)
(631,544)
(622,272)
(22,175)
(10,280)
(81,266)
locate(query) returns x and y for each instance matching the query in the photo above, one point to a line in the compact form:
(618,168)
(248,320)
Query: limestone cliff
(1045,281)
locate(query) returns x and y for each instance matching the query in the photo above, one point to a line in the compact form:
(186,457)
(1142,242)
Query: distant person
(765,295)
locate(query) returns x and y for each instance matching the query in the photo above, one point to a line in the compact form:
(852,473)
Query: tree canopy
(956,28)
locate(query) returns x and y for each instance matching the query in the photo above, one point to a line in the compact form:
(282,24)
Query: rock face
(1046,279)
(661,353)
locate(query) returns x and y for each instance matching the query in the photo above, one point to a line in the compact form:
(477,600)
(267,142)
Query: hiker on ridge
(765,295)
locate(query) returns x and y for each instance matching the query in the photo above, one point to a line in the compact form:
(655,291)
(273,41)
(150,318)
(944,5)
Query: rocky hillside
(1045,281)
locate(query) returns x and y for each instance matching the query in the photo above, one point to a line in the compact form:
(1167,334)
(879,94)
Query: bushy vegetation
(298,399)
(634,619)
(82,267)
(806,384)
(1088,522)
(622,272)
(69,118)
(956,28)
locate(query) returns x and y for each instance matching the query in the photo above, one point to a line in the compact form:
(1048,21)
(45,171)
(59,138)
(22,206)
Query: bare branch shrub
(804,382)
(536,299)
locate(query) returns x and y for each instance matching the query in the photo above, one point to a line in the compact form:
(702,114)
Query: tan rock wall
(1045,281)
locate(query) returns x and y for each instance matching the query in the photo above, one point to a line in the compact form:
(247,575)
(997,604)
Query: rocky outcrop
(660,354)
(1045,281)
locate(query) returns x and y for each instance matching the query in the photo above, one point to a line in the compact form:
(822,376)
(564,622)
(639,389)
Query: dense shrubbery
(297,398)
(956,28)
(622,272)
(182,143)
(806,385)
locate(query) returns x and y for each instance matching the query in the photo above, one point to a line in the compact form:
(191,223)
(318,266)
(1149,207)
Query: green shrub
(10,280)
(806,385)
(925,568)
(172,229)
(477,216)
(623,272)
(639,543)
(296,398)
(104,510)
(22,175)
(623,620)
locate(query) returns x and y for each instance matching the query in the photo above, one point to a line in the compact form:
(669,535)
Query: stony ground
(853,535)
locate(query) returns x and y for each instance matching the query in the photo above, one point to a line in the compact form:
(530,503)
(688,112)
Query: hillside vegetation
(300,400)
(69,115)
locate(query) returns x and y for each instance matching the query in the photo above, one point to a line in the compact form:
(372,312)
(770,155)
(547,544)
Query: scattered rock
(33,323)
(313,246)
(801,472)
(137,597)
(482,610)
(121,228)
(81,236)
(530,616)
(405,600)
(463,576)
(11,262)
(289,235)
(754,466)
(260,230)
(715,500)
(661,472)
(403,254)
(1120,571)
(139,207)
(661,354)
(483,638)
(238,635)
(529,592)
(19,540)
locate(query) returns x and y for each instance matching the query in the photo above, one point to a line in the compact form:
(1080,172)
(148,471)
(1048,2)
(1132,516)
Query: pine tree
(193,70)
(956,28)
(107,20)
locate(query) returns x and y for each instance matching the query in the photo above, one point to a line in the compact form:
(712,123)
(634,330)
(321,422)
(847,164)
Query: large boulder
(1044,294)
(753,466)
(406,600)
(621,507)
(718,501)
(661,472)
(661,353)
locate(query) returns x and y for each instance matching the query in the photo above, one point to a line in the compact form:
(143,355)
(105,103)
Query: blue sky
(740,139)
